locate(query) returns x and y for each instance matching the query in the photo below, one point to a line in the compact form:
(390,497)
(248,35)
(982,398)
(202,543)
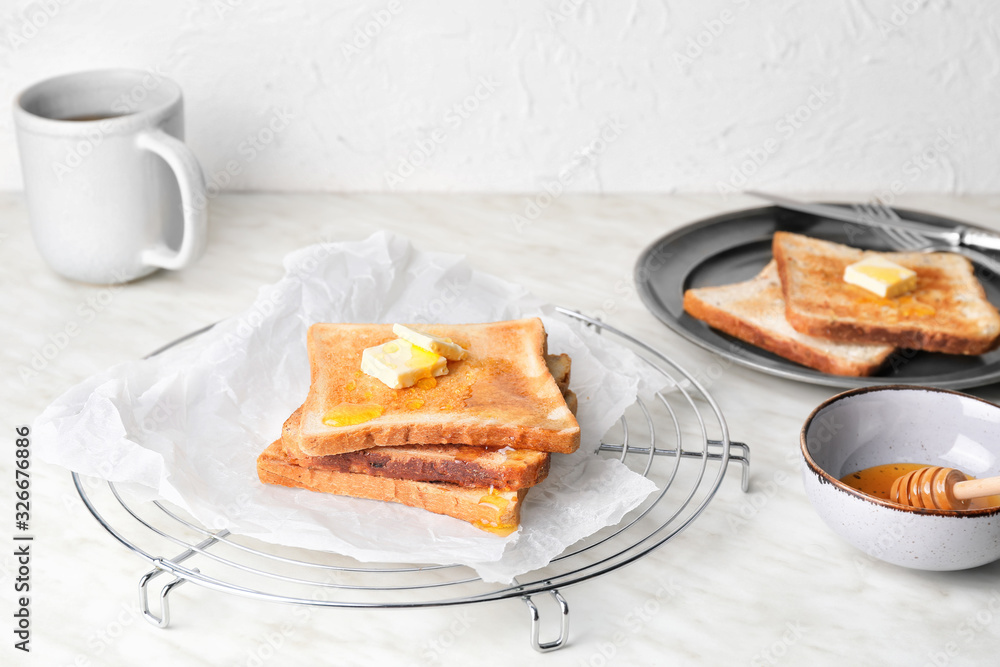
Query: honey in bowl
(877,482)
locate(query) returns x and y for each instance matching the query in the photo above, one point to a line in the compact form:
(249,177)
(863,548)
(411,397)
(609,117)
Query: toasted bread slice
(489,509)
(501,395)
(754,311)
(571,401)
(464,465)
(946,312)
(559,366)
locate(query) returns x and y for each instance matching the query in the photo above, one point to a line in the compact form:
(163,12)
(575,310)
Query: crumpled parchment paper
(186,426)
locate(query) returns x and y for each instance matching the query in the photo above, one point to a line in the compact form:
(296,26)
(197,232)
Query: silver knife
(960,236)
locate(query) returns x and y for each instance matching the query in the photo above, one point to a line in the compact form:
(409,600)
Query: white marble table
(757,579)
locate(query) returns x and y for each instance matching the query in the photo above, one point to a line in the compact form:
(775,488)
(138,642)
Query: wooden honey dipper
(940,488)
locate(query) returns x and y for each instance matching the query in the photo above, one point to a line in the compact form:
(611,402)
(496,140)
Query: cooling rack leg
(536,623)
(743,458)
(163,620)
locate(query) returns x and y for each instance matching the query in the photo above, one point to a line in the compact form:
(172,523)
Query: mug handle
(191,182)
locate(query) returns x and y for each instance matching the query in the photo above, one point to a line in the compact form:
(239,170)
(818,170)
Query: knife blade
(955,236)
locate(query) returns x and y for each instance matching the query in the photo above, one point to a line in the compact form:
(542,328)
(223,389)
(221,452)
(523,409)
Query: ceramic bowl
(903,424)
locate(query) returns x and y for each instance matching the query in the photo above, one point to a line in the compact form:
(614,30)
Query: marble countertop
(758,579)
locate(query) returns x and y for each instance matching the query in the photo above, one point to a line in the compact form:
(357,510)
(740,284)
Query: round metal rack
(679,440)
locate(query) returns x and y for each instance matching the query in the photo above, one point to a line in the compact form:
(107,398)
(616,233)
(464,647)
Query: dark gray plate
(735,247)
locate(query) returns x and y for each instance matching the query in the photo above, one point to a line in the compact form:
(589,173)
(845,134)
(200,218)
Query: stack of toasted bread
(467,444)
(801,308)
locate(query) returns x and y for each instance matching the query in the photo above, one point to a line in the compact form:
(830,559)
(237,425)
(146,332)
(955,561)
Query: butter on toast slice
(464,465)
(492,510)
(501,395)
(754,311)
(946,312)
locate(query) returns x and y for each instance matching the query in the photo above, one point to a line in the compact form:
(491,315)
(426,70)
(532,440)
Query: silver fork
(890,227)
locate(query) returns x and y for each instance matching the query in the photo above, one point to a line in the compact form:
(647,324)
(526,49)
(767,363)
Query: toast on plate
(947,311)
(754,312)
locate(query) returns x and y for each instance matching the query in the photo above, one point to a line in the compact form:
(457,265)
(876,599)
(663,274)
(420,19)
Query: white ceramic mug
(113,193)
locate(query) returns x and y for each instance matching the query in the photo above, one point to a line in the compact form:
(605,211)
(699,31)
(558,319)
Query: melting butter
(351,414)
(881,276)
(399,363)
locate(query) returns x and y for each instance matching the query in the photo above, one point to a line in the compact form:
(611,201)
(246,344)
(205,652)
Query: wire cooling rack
(679,440)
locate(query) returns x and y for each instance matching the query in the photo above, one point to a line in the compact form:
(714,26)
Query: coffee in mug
(113,193)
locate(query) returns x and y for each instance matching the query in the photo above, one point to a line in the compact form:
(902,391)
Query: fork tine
(864,214)
(899,229)
(897,237)
(904,239)
(907,236)
(913,236)
(887,211)
(894,238)
(879,212)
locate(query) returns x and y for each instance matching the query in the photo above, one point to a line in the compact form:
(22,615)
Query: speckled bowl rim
(826,477)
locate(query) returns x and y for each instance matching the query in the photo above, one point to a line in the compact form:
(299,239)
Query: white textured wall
(585,95)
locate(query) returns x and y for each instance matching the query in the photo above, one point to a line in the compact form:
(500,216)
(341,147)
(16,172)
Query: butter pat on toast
(754,312)
(500,395)
(947,311)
